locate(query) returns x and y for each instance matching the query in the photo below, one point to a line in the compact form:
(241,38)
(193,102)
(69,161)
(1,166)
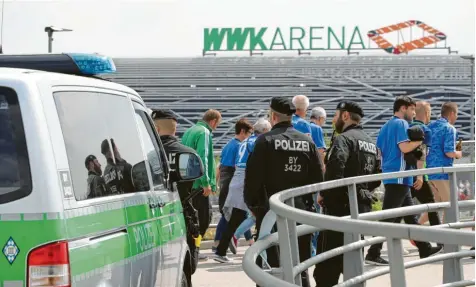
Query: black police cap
(163,115)
(351,107)
(282,105)
(89,159)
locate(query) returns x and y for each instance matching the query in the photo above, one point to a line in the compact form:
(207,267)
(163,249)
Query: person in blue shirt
(393,143)
(318,119)
(243,129)
(301,103)
(421,189)
(443,150)
(235,209)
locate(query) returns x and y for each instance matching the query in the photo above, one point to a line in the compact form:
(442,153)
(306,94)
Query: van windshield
(15,179)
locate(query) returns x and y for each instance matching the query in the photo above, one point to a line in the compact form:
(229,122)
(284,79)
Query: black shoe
(378,261)
(431,252)
(472,249)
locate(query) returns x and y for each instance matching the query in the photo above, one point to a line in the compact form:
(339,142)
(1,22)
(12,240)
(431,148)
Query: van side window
(102,143)
(151,148)
(15,176)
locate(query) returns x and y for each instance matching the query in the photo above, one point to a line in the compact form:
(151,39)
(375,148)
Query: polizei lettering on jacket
(367,147)
(291,145)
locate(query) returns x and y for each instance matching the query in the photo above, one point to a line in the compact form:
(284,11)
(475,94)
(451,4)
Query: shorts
(441,190)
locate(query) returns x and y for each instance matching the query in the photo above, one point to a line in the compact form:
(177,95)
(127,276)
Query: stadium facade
(242,86)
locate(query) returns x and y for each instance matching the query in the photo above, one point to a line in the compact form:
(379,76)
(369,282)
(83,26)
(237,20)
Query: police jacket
(118,176)
(353,153)
(172,146)
(282,158)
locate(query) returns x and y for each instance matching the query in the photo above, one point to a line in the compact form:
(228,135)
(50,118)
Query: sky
(175,28)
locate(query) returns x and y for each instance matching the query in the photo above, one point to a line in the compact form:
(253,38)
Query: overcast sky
(170,28)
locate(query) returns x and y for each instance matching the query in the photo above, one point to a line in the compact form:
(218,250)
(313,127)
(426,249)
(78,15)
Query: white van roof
(58,79)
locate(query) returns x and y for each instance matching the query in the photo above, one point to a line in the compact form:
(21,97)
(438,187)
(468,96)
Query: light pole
(50,30)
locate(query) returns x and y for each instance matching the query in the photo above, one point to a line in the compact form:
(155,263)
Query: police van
(84,193)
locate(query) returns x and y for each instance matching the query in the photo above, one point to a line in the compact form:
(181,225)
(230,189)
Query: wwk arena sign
(292,38)
(396,38)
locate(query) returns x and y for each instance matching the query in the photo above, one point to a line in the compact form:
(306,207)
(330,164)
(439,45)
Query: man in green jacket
(200,138)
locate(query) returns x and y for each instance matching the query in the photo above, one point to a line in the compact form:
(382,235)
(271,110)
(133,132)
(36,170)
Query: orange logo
(434,37)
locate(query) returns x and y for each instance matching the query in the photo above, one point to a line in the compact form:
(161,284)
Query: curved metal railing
(352,226)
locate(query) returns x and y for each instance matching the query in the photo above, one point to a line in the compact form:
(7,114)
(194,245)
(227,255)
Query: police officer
(353,153)
(96,184)
(166,125)
(282,158)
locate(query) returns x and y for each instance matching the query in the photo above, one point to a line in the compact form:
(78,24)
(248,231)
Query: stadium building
(242,87)
(190,56)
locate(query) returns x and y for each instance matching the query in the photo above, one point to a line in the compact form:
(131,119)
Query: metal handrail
(288,215)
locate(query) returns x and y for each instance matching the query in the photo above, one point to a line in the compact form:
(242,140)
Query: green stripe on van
(26,235)
(33,230)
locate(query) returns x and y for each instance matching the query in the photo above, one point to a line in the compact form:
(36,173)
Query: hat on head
(282,105)
(89,159)
(351,107)
(163,115)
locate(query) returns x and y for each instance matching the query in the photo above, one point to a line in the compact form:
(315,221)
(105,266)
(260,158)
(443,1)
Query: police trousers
(327,273)
(304,245)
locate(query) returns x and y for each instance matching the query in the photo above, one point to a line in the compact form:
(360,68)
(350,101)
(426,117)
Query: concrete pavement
(213,274)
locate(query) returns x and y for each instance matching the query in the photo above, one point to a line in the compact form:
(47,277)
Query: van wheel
(184,282)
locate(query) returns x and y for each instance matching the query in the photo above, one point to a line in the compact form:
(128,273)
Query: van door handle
(109,234)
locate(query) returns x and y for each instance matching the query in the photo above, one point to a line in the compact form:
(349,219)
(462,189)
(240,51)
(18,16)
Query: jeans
(237,217)
(221,227)
(315,235)
(245,227)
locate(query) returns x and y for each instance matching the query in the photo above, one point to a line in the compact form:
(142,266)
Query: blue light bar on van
(93,64)
(73,64)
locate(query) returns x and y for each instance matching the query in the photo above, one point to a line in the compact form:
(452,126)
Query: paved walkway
(213,274)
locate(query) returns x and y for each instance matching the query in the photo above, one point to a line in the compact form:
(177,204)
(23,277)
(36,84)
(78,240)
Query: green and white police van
(84,192)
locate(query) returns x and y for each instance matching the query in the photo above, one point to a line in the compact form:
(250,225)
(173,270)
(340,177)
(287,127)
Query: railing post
(285,249)
(395,256)
(353,260)
(452,269)
(293,240)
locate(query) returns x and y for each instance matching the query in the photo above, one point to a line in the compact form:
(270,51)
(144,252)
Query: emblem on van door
(66,183)
(11,250)
(157,203)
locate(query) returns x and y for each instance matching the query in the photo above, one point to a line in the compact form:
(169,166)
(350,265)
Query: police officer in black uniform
(166,125)
(282,158)
(353,153)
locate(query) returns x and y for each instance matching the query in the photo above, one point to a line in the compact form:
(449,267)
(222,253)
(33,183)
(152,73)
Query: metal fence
(352,226)
(466,183)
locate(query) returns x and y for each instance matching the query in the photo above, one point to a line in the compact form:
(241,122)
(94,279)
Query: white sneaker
(222,259)
(405,252)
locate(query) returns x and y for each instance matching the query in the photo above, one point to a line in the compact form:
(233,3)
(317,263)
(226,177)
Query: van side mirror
(188,166)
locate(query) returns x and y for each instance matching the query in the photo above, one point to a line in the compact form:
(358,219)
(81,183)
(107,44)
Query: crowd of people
(284,150)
